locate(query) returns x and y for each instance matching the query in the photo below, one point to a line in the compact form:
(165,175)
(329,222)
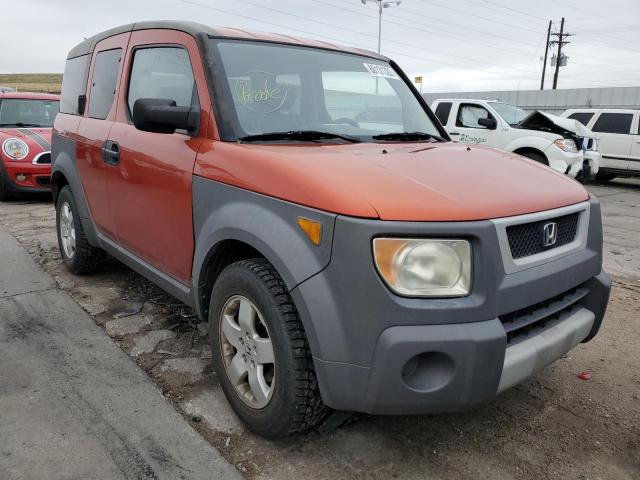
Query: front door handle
(111,152)
(454,133)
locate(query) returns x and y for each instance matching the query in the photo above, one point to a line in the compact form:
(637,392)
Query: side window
(468,115)
(74,83)
(162,72)
(582,117)
(614,123)
(442,112)
(103,87)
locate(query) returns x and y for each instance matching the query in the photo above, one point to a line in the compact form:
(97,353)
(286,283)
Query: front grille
(527,239)
(530,320)
(44,159)
(44,181)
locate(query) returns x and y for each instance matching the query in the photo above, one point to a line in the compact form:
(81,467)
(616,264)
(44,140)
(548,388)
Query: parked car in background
(618,137)
(345,256)
(567,147)
(26,120)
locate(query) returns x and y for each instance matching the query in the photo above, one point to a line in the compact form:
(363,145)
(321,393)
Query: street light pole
(382,4)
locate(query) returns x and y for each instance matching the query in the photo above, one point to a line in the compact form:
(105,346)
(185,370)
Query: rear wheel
(605,177)
(77,253)
(260,351)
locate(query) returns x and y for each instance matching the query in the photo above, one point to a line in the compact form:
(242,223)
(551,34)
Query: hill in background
(32,82)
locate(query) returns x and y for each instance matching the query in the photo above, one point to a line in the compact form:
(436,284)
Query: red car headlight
(15,149)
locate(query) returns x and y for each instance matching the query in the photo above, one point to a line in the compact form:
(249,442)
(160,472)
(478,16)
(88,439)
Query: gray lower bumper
(527,357)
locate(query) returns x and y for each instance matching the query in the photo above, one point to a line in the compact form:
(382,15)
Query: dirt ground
(553,426)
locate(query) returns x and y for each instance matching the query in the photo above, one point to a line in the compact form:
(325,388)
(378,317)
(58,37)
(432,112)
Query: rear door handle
(111,152)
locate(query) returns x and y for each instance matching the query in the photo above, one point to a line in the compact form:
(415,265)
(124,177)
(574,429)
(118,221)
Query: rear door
(93,130)
(150,189)
(613,131)
(465,127)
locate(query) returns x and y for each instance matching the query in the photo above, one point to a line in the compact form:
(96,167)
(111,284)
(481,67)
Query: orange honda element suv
(305,201)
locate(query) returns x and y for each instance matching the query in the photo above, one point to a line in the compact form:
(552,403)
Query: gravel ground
(552,426)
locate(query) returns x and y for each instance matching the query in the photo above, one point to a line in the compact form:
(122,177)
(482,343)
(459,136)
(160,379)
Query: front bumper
(38,176)
(564,162)
(379,353)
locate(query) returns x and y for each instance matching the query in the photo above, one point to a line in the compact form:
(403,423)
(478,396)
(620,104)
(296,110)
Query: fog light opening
(428,371)
(21,177)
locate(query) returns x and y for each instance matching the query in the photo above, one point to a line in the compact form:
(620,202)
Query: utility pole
(561,42)
(381,5)
(546,53)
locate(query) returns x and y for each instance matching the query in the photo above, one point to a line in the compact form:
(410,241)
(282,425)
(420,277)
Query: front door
(151,190)
(468,130)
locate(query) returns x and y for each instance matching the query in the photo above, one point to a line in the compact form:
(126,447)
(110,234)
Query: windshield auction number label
(381,71)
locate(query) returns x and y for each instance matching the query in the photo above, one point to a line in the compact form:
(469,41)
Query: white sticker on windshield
(381,70)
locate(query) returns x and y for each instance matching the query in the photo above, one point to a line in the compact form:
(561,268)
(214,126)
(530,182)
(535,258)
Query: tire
(78,254)
(605,177)
(290,400)
(538,157)
(4,186)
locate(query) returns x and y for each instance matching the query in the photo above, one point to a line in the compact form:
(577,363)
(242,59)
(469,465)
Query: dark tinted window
(614,123)
(103,88)
(442,112)
(74,83)
(37,113)
(162,72)
(582,117)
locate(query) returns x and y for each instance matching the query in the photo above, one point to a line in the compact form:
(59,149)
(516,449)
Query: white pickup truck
(563,144)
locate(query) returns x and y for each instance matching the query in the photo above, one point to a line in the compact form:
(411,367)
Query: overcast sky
(457,45)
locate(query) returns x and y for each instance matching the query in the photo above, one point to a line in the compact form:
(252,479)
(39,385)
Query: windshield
(511,114)
(27,112)
(271,88)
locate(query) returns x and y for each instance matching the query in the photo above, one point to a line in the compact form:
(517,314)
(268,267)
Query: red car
(26,120)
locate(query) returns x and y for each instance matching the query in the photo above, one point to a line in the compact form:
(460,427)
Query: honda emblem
(550,234)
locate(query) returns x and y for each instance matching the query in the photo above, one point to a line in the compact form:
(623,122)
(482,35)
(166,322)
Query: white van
(564,145)
(618,134)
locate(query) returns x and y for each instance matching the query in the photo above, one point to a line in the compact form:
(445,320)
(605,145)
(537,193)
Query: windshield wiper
(297,135)
(407,136)
(20,124)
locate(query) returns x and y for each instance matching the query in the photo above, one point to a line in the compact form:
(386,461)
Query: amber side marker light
(311,228)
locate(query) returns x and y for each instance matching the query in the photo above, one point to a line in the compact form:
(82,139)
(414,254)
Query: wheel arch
(524,150)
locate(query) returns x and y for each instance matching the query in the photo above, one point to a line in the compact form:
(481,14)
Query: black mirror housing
(161,115)
(490,123)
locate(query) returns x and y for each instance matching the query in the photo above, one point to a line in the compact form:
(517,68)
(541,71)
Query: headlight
(566,144)
(424,268)
(15,149)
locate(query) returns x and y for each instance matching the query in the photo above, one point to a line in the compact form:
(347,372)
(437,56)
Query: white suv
(618,134)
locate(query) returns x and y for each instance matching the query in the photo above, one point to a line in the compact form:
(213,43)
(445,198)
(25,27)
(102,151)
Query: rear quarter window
(74,83)
(614,123)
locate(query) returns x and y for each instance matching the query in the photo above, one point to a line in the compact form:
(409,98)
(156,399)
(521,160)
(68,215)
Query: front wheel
(260,351)
(538,157)
(77,253)
(605,177)
(4,185)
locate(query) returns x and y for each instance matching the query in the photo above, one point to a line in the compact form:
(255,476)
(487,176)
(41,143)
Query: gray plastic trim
(527,357)
(512,265)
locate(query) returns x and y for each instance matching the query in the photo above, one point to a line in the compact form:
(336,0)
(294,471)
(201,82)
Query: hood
(37,139)
(546,122)
(408,182)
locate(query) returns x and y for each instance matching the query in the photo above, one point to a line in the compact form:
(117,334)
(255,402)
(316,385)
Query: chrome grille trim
(512,265)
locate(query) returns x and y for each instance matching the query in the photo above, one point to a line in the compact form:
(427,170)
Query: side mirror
(490,123)
(161,115)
